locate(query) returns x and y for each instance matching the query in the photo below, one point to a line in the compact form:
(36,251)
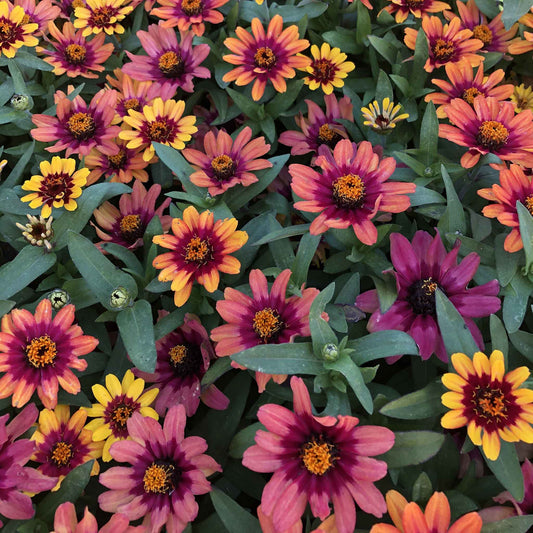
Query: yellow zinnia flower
(382,120)
(14,32)
(522,98)
(101,15)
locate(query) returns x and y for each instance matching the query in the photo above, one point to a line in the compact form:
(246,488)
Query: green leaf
(506,263)
(498,336)
(9,115)
(248,106)
(515,524)
(418,74)
(453,219)
(234,517)
(282,101)
(384,47)
(27,266)
(288,358)
(289,13)
(17,77)
(123,254)
(102,276)
(18,170)
(28,60)
(363,26)
(513,10)
(137,332)
(424,196)
(526,232)
(216,370)
(321,332)
(243,440)
(284,233)
(454,331)
(507,470)
(5,307)
(413,448)
(523,342)
(304,256)
(423,403)
(341,38)
(80,399)
(429,134)
(71,489)
(383,88)
(488,7)
(382,344)
(515,302)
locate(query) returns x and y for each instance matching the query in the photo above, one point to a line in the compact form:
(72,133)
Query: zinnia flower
(315,460)
(185,14)
(116,404)
(40,13)
(79,127)
(420,268)
(166,472)
(127,225)
(488,401)
(463,84)
(99,16)
(350,190)
(263,319)
(183,357)
(38,352)
(62,444)
(514,186)
(16,479)
(522,98)
(16,32)
(38,231)
(409,518)
(200,249)
(263,57)
(519,46)
(327,69)
(447,44)
(383,119)
(73,55)
(168,63)
(402,8)
(525,506)
(227,162)
(58,186)
(161,122)
(319,128)
(490,127)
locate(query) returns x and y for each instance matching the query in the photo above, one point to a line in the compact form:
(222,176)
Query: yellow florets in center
(178,354)
(55,185)
(171,64)
(443,50)
(131,228)
(483,33)
(75,54)
(121,413)
(159,131)
(492,135)
(81,125)
(7,31)
(429,286)
(41,351)
(132,103)
(101,17)
(470,93)
(349,191)
(489,402)
(61,453)
(528,202)
(223,167)
(198,251)
(265,58)
(192,7)
(158,478)
(267,324)
(117,161)
(318,456)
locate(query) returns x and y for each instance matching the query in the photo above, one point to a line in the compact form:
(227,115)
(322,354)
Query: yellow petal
(453,420)
(113,385)
(102,432)
(474,432)
(481,364)
(463,365)
(101,394)
(491,445)
(148,397)
(453,382)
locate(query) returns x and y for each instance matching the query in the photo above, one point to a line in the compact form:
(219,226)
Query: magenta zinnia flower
(263,319)
(525,506)
(79,127)
(38,352)
(350,190)
(168,63)
(227,162)
(166,472)
(183,357)
(127,225)
(15,478)
(319,128)
(420,268)
(315,460)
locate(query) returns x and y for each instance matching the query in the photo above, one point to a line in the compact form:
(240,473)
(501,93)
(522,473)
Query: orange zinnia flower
(418,8)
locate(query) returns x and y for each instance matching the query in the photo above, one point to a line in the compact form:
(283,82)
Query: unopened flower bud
(120,298)
(59,298)
(21,102)
(330,352)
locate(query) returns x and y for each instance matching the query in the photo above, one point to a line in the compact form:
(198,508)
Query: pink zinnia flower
(168,63)
(315,460)
(525,506)
(263,319)
(420,268)
(183,357)
(127,225)
(79,127)
(15,478)
(319,128)
(166,472)
(227,162)
(350,190)
(40,13)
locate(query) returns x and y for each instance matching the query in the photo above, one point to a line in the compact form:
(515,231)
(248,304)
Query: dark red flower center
(223,167)
(131,228)
(55,185)
(75,54)
(265,58)
(489,403)
(328,136)
(101,17)
(323,70)
(318,455)
(81,126)
(171,65)
(161,130)
(483,33)
(161,477)
(61,453)
(198,251)
(470,93)
(443,50)
(41,351)
(192,7)
(185,359)
(8,32)
(267,324)
(117,413)
(528,202)
(414,4)
(118,161)
(132,103)
(349,191)
(492,135)
(421,296)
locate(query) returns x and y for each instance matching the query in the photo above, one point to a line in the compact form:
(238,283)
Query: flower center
(117,412)
(349,191)
(318,455)
(81,125)
(75,54)
(7,31)
(192,7)
(470,93)
(55,185)
(421,296)
(117,161)
(443,50)
(489,402)
(483,33)
(41,351)
(528,202)
(131,228)
(198,251)
(324,70)
(77,3)
(26,19)
(171,65)
(61,453)
(268,324)
(121,414)
(159,130)
(492,135)
(102,16)
(265,58)
(413,4)
(223,167)
(160,478)
(132,103)
(185,359)
(328,136)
